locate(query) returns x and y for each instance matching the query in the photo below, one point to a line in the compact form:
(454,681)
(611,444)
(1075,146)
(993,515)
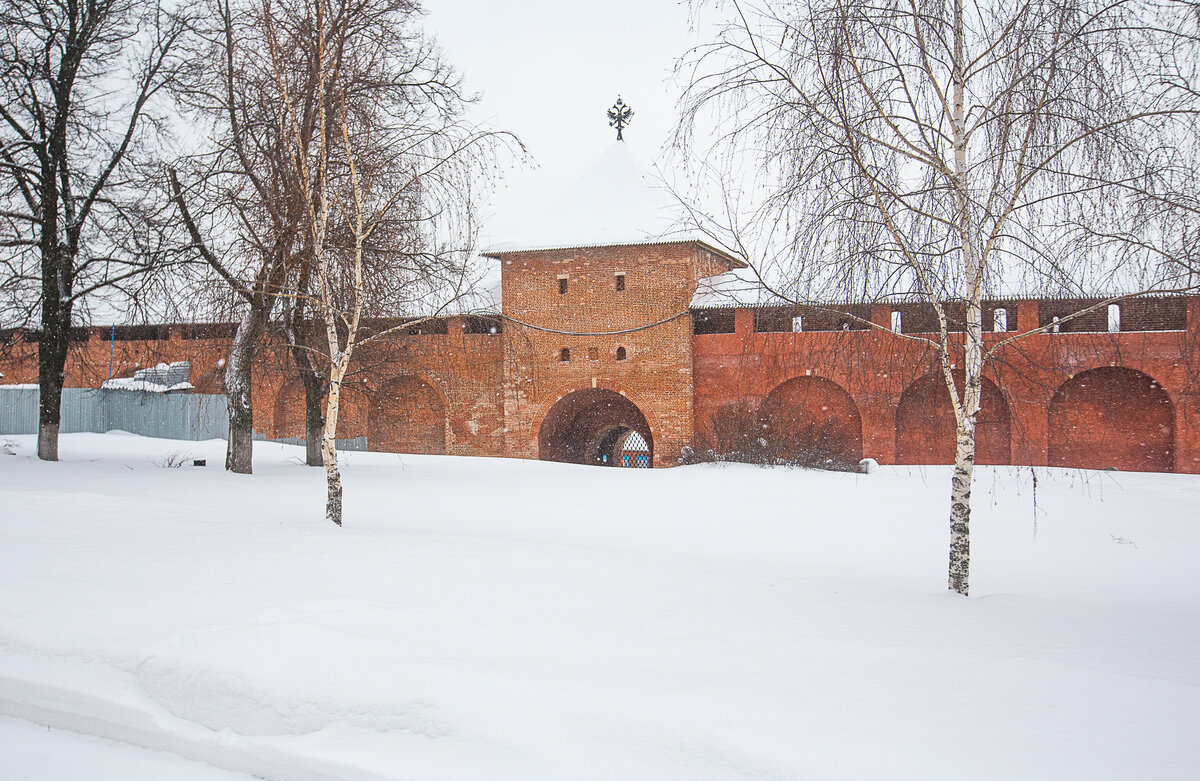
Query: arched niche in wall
(926,428)
(407,415)
(1112,417)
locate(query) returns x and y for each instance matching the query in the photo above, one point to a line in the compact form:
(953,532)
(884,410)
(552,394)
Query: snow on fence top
(158,379)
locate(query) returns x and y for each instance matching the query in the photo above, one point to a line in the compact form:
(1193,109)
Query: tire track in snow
(84,714)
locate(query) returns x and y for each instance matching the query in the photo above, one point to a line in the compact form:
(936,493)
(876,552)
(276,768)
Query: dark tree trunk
(53,342)
(300,345)
(239,450)
(53,339)
(52,359)
(314,418)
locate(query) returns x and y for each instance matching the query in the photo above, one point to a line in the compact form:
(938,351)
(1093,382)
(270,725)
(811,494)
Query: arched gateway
(596,426)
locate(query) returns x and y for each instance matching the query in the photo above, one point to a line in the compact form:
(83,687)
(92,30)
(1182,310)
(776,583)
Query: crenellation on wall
(1032,415)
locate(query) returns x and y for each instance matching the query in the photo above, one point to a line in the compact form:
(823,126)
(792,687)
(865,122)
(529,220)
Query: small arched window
(620,353)
(564,355)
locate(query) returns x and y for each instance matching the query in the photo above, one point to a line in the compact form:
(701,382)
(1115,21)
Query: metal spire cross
(619,116)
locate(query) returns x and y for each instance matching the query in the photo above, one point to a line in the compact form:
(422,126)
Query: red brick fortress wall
(1079,397)
(419,393)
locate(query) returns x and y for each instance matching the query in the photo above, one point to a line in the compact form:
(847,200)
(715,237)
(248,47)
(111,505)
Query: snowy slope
(31,751)
(492,619)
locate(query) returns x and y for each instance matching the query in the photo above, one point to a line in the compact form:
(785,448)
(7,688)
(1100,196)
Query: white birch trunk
(318,200)
(964,452)
(966,404)
(333,475)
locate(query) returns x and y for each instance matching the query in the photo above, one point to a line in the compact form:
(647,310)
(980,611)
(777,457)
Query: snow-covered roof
(740,287)
(130,384)
(614,203)
(162,378)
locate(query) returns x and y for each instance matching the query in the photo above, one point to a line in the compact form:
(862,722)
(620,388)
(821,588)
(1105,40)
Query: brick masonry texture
(1081,397)
(656,375)
(1128,400)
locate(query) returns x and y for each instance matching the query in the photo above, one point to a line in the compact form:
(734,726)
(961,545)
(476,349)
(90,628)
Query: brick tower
(598,337)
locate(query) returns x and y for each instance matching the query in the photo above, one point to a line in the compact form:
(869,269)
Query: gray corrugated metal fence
(191,416)
(18,410)
(167,415)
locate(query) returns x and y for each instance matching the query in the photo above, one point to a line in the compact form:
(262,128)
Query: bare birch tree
(76,88)
(389,172)
(946,150)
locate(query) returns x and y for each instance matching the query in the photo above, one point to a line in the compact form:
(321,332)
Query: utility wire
(593,333)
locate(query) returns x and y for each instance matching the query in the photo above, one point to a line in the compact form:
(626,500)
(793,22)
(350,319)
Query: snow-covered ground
(493,619)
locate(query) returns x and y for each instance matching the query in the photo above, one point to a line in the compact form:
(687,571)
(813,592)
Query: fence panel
(168,415)
(83,410)
(191,416)
(18,410)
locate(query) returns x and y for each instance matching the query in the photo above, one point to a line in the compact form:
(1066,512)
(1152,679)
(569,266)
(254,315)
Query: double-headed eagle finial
(619,116)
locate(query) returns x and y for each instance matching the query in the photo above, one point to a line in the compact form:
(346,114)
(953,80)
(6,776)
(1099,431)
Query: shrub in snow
(775,435)
(174,459)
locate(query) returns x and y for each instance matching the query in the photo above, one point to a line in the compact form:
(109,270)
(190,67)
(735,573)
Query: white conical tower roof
(614,203)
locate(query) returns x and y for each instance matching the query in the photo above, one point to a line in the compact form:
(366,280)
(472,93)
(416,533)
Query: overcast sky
(549,69)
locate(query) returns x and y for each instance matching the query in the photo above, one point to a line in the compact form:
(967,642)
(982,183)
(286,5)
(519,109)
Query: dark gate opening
(623,447)
(596,426)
